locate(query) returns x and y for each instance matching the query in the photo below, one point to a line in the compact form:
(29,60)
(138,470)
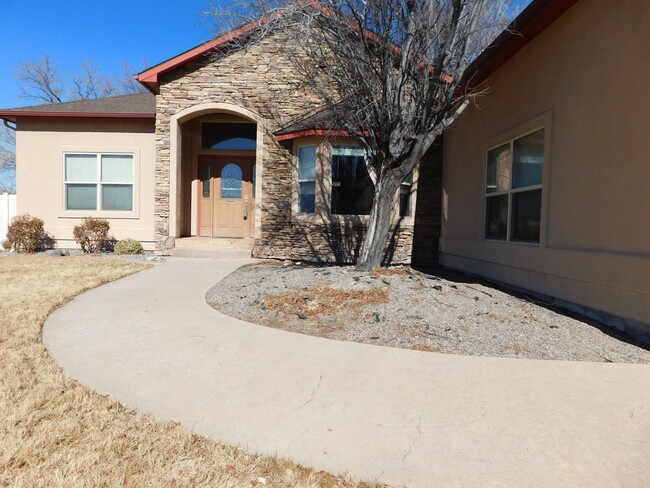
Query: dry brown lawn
(55,432)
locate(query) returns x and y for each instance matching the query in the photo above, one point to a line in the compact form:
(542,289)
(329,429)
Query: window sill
(108,214)
(516,243)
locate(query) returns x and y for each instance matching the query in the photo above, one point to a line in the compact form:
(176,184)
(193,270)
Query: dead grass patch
(323,300)
(390,272)
(55,432)
(517,348)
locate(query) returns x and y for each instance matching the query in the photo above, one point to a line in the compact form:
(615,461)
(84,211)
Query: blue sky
(107,32)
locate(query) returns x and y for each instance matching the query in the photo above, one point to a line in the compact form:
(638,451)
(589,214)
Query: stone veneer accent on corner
(261,80)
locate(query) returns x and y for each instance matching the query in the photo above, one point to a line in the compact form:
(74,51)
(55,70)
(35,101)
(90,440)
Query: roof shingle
(140,104)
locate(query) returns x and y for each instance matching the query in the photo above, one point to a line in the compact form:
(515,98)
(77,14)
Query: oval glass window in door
(231,181)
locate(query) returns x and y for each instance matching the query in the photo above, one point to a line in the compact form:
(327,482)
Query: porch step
(212,253)
(214,243)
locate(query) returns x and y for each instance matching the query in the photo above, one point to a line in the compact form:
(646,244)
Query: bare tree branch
(40,80)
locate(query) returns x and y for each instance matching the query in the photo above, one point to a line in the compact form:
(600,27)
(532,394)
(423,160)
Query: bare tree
(126,83)
(389,73)
(41,80)
(91,83)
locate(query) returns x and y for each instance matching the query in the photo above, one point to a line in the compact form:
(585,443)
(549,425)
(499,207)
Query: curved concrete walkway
(399,416)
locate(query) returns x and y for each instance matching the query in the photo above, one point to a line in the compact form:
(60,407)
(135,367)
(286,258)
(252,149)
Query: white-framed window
(513,190)
(307,179)
(98,181)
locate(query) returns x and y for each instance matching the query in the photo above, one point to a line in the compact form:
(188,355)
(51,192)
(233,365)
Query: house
(219,149)
(540,186)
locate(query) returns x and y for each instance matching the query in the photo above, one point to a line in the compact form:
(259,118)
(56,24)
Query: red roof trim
(11,115)
(150,78)
(539,15)
(311,133)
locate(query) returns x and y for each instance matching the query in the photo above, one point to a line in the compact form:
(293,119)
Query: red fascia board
(150,77)
(11,115)
(535,19)
(311,133)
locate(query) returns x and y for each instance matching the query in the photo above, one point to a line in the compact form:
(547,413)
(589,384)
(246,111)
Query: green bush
(128,246)
(25,234)
(92,235)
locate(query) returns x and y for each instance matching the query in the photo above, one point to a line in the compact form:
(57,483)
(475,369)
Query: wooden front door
(227,196)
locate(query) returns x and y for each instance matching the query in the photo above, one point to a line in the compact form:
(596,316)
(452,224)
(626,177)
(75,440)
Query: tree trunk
(372,249)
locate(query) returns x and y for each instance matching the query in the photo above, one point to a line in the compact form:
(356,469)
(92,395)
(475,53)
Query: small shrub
(25,233)
(92,235)
(6,245)
(128,246)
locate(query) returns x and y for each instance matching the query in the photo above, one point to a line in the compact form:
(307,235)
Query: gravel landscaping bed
(400,307)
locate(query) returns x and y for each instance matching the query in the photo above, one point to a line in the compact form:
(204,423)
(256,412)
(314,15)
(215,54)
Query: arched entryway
(217,160)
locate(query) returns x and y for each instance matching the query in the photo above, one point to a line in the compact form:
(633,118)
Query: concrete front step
(212,253)
(214,243)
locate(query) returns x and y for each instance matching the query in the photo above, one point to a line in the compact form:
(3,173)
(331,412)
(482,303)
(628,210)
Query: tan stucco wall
(585,79)
(40,147)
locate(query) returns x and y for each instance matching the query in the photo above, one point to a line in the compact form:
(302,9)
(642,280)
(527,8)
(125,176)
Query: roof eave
(150,77)
(12,115)
(300,134)
(532,21)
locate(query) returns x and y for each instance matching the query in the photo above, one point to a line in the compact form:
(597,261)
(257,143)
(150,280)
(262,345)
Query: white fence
(7,212)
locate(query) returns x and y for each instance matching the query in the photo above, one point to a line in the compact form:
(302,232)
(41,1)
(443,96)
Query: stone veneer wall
(340,242)
(261,80)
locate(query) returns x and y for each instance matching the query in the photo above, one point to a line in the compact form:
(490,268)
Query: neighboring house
(541,186)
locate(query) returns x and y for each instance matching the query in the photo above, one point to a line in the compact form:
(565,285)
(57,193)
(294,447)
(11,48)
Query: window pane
(405,196)
(231,181)
(526,212)
(352,188)
(307,163)
(347,151)
(228,136)
(117,197)
(496,225)
(117,168)
(80,197)
(254,179)
(528,160)
(307,198)
(498,169)
(205,180)
(405,200)
(81,168)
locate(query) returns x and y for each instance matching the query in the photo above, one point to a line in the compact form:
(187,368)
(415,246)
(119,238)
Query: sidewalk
(403,417)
